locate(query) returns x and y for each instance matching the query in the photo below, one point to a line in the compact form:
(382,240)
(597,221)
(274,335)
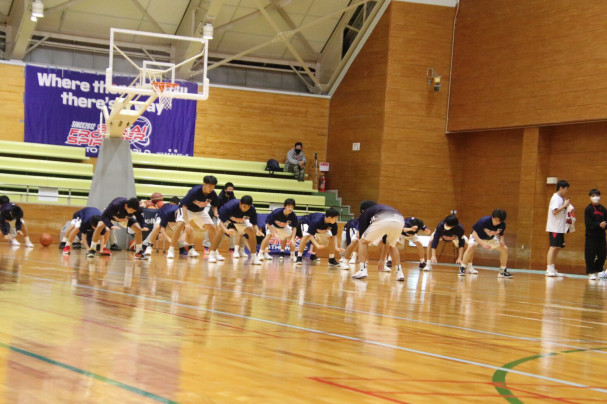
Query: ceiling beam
(283,14)
(148,16)
(19,30)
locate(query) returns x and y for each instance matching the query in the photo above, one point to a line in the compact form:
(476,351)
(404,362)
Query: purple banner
(63,107)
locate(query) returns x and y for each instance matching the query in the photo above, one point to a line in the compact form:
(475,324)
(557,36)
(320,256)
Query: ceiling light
(207,31)
(34,18)
(37,9)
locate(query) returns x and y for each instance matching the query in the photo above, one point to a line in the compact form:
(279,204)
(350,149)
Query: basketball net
(164,90)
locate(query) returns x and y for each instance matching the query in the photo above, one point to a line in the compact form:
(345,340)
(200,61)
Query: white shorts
(280,233)
(77,222)
(391,225)
(413,238)
(240,227)
(200,219)
(494,242)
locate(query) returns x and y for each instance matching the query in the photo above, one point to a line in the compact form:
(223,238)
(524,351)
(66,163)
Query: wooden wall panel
(528,63)
(11,113)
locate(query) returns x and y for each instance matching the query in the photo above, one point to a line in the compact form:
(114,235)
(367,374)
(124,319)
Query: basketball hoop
(164,90)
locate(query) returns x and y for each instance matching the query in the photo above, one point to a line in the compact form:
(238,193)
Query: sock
(399,268)
(27,240)
(93,245)
(138,247)
(422,260)
(502,269)
(236,248)
(282,250)
(331,256)
(64,240)
(68,243)
(171,248)
(354,255)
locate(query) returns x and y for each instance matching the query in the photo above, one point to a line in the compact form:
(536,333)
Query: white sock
(64,240)
(331,256)
(353,255)
(68,243)
(27,240)
(94,246)
(236,248)
(399,268)
(422,260)
(502,269)
(138,247)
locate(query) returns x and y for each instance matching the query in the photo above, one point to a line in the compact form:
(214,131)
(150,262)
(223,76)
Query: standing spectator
(296,162)
(556,225)
(595,217)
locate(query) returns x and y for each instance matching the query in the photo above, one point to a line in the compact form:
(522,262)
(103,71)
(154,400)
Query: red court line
(368,393)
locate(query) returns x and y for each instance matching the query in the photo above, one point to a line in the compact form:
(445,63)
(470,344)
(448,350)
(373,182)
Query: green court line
(95,376)
(499,377)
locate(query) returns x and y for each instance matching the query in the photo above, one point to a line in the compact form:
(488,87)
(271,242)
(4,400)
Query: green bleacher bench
(42,150)
(203,163)
(239,181)
(36,181)
(50,167)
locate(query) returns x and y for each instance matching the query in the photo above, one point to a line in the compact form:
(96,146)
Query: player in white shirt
(556,225)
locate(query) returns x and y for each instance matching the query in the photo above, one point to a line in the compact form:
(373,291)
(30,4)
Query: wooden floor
(115,330)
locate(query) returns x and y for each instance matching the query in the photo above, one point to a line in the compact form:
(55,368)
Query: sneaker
(115,247)
(77,246)
(471,270)
(281,255)
(218,256)
(344,265)
(256,260)
(15,243)
(193,253)
(293,257)
(299,261)
(105,251)
(183,252)
(602,274)
(462,271)
(212,257)
(236,254)
(593,277)
(333,262)
(399,275)
(62,245)
(361,274)
(66,250)
(504,274)
(353,259)
(148,250)
(428,267)
(422,265)
(389,264)
(387,268)
(140,255)
(314,258)
(91,253)
(267,256)
(171,253)
(29,244)
(552,272)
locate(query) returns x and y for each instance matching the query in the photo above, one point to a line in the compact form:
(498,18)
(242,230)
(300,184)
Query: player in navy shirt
(280,224)
(121,210)
(375,222)
(313,226)
(413,225)
(10,212)
(349,238)
(488,232)
(448,230)
(168,214)
(225,195)
(239,215)
(84,221)
(194,210)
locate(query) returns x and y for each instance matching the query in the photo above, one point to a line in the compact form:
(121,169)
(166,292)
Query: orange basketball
(156,196)
(159,204)
(148,204)
(46,239)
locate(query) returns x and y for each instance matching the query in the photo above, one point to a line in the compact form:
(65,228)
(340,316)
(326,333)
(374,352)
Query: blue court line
(86,373)
(346,337)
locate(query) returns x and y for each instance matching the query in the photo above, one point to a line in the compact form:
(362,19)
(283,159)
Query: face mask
(297,151)
(595,199)
(230,194)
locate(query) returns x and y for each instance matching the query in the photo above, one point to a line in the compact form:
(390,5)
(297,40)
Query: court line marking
(86,373)
(346,337)
(499,377)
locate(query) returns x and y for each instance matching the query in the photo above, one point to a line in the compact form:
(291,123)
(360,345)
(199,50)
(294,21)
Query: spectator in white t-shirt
(556,226)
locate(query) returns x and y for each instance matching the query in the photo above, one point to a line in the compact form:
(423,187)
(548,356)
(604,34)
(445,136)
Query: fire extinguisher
(322,183)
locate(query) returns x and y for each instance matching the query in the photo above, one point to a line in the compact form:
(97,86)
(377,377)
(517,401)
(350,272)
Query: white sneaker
(212,257)
(471,270)
(399,275)
(361,274)
(193,253)
(148,250)
(15,243)
(353,259)
(593,277)
(219,257)
(171,253)
(428,267)
(267,256)
(344,265)
(386,268)
(29,244)
(256,260)
(552,272)
(236,254)
(603,274)
(293,257)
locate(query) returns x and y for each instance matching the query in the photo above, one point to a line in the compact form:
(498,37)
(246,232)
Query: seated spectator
(296,162)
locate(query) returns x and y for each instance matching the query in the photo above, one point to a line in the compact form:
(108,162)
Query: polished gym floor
(116,330)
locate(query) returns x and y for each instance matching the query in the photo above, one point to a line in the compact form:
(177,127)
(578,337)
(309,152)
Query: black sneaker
(61,245)
(91,253)
(389,264)
(183,252)
(505,274)
(77,246)
(140,255)
(462,271)
(333,262)
(313,257)
(281,255)
(115,247)
(422,265)
(299,261)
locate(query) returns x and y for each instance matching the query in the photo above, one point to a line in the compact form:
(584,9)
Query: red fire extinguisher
(322,183)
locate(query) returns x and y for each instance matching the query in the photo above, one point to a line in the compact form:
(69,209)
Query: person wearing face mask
(449,230)
(595,217)
(296,162)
